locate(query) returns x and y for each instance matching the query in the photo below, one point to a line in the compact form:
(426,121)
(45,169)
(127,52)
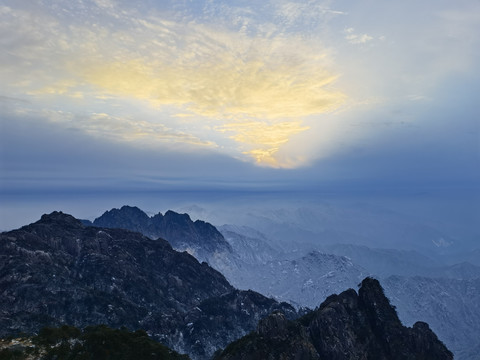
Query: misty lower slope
(375,241)
(437,232)
(305,281)
(450,306)
(447,297)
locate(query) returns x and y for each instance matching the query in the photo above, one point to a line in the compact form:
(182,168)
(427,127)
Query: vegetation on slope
(93,343)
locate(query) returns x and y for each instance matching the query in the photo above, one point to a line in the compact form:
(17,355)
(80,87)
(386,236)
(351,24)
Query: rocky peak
(176,217)
(57,271)
(199,238)
(347,299)
(345,326)
(274,325)
(376,304)
(127,217)
(119,272)
(53,232)
(59,218)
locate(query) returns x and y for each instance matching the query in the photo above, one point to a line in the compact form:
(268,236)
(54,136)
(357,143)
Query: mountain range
(306,274)
(60,271)
(198,238)
(447,297)
(345,326)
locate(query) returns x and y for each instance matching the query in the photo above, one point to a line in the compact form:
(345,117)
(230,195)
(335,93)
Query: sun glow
(252,90)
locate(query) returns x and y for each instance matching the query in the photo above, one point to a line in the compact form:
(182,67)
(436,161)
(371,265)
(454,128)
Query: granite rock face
(345,326)
(199,238)
(58,271)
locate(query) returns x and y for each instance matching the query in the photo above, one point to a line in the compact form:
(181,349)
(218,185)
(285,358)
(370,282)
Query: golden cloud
(225,89)
(253,89)
(264,139)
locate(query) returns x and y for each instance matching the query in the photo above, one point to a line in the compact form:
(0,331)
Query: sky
(114,96)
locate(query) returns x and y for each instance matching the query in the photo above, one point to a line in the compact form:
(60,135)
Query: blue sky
(111,95)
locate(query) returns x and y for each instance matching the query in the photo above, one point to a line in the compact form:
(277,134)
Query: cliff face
(199,238)
(345,326)
(58,271)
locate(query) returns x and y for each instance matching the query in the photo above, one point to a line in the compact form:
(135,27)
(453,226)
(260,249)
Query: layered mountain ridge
(305,276)
(248,261)
(198,238)
(59,271)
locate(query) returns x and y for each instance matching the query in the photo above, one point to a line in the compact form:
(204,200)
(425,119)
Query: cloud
(355,38)
(104,3)
(302,13)
(224,86)
(209,74)
(263,140)
(142,99)
(124,129)
(233,80)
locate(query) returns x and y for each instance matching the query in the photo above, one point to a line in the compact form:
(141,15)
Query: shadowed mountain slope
(198,238)
(345,326)
(58,271)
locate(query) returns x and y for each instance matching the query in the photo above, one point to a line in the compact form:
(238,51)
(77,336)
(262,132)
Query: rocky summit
(199,238)
(345,326)
(58,271)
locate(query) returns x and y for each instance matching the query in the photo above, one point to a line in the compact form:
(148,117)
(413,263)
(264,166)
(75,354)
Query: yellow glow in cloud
(252,89)
(224,89)
(264,139)
(258,91)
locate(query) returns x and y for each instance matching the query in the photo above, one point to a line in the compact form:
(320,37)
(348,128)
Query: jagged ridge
(58,271)
(199,238)
(345,326)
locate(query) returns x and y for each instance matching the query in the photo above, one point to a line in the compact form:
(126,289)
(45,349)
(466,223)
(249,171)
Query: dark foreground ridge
(345,326)
(58,271)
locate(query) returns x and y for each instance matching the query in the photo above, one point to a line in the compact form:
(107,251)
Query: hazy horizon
(105,103)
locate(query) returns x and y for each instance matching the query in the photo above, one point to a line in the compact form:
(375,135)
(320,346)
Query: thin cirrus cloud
(124,129)
(249,93)
(292,13)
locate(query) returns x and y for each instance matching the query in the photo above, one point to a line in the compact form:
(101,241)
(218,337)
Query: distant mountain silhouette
(198,238)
